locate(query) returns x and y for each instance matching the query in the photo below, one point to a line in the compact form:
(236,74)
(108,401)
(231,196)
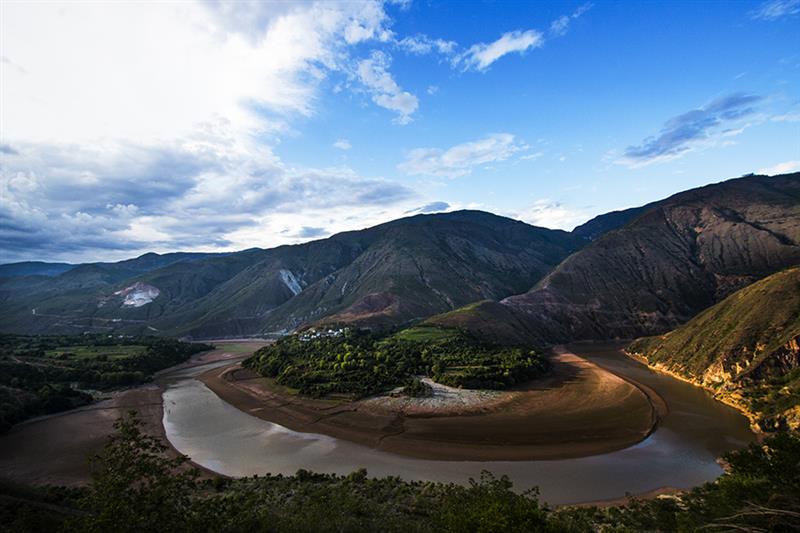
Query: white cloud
(143,127)
(460,159)
(165,67)
(342,144)
(560,25)
(787,117)
(780,168)
(481,56)
(549,214)
(373,73)
(83,204)
(422,44)
(776,9)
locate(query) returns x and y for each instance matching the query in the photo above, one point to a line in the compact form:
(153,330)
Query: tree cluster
(34,382)
(361,363)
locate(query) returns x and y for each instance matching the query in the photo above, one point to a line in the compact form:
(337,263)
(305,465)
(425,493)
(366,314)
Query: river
(681,453)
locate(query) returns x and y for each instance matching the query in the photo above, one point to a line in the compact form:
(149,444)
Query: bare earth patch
(443,400)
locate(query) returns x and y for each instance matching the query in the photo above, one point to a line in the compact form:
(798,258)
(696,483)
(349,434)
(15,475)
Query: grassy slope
(745,349)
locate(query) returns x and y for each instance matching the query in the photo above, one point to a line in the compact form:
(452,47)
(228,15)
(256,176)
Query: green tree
(136,486)
(490,505)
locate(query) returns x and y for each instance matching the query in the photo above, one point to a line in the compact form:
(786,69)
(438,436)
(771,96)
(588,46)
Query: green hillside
(746,349)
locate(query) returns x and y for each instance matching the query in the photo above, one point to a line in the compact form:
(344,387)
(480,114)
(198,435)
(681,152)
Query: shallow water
(681,453)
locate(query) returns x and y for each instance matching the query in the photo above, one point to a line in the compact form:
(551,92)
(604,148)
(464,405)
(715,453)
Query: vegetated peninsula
(405,391)
(360,363)
(745,349)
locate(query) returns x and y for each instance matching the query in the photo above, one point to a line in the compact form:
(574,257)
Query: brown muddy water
(681,453)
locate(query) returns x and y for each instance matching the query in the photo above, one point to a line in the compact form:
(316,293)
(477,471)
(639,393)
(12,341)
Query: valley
(578,409)
(231,433)
(623,358)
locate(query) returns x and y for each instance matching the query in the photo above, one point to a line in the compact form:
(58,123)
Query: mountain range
(640,271)
(658,269)
(390,274)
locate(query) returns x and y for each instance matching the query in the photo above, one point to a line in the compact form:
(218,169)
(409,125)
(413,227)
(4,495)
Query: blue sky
(214,126)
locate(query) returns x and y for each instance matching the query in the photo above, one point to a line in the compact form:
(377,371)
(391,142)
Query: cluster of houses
(312,334)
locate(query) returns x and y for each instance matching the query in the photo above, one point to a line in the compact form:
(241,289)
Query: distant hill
(669,262)
(390,274)
(33,268)
(746,349)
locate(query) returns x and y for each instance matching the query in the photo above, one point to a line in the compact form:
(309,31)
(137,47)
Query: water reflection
(681,453)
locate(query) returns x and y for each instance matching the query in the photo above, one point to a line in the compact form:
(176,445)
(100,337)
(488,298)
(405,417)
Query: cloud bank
(161,138)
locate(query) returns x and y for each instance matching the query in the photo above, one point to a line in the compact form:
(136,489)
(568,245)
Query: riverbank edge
(751,416)
(219,381)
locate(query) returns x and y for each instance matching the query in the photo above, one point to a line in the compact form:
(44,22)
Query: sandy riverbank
(579,409)
(56,449)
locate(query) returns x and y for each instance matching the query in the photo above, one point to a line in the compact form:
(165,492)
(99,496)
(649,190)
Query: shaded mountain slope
(678,257)
(429,264)
(602,224)
(33,268)
(746,349)
(385,275)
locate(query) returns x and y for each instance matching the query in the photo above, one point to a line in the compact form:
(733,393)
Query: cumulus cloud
(679,135)
(163,85)
(776,9)
(780,168)
(373,73)
(75,202)
(159,139)
(342,144)
(460,159)
(152,127)
(480,56)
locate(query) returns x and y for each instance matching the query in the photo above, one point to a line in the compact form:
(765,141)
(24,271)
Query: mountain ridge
(397,271)
(664,265)
(624,274)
